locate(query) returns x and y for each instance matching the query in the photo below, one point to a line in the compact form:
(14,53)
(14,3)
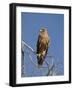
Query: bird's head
(43,31)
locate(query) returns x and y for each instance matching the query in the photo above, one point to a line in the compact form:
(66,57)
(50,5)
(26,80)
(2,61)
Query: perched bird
(43,44)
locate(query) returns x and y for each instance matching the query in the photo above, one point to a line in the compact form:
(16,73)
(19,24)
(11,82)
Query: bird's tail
(40,61)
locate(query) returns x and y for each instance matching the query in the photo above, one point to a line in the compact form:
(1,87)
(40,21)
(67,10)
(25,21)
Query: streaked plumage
(42,45)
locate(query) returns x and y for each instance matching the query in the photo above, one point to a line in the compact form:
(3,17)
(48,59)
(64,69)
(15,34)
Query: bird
(43,43)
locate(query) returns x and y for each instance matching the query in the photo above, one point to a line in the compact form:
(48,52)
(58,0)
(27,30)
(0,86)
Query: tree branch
(24,44)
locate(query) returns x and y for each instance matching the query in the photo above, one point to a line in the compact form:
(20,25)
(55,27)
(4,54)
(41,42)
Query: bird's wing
(49,42)
(38,44)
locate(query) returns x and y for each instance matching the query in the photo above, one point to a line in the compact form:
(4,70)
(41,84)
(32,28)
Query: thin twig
(32,61)
(24,44)
(50,69)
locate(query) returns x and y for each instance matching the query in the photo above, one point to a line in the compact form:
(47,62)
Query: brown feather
(42,46)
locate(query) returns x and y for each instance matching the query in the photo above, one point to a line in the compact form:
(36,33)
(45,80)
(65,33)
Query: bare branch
(24,44)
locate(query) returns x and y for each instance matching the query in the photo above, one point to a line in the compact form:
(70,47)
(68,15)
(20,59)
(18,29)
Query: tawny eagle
(43,44)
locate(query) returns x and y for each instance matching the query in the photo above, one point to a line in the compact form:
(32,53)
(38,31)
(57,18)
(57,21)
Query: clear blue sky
(31,24)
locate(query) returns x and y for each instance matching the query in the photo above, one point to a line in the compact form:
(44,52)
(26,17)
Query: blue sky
(31,23)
